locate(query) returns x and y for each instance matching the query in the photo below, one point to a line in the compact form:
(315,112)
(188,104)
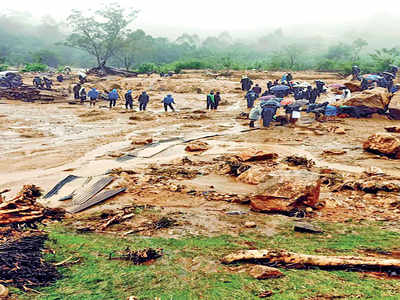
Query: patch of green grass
(190,267)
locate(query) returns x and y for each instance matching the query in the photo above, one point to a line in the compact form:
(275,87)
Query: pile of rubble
(24,210)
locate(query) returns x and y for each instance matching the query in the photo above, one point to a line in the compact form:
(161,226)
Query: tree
(358,45)
(46,57)
(339,51)
(385,57)
(293,52)
(101,33)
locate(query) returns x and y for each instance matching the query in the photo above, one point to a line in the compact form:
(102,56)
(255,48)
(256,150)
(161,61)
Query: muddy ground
(43,143)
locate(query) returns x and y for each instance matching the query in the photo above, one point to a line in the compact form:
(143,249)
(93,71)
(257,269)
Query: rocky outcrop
(383,144)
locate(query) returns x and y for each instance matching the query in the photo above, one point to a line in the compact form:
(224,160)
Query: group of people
(370,81)
(42,83)
(213,100)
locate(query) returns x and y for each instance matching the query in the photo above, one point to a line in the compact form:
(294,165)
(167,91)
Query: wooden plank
(59,185)
(92,190)
(101,197)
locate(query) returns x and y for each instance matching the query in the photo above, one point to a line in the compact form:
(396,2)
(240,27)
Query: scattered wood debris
(139,257)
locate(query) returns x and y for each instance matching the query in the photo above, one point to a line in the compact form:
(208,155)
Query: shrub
(3,68)
(146,68)
(35,67)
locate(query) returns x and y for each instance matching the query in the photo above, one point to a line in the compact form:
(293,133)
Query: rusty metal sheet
(87,193)
(99,198)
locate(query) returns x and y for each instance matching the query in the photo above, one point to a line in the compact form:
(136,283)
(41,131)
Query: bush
(3,68)
(35,67)
(189,65)
(146,68)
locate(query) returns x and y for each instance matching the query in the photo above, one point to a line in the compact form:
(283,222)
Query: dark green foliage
(3,68)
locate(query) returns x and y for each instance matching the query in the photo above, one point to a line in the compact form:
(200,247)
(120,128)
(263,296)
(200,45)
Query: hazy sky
(212,15)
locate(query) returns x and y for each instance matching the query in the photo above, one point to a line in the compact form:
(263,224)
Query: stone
(383,144)
(340,130)
(288,190)
(254,175)
(353,86)
(257,155)
(376,98)
(3,292)
(394,129)
(250,224)
(263,272)
(142,141)
(334,152)
(307,228)
(196,146)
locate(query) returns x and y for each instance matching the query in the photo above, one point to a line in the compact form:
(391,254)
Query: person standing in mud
(168,101)
(246,83)
(269,86)
(257,90)
(143,101)
(251,97)
(76,90)
(217,99)
(37,82)
(48,82)
(82,94)
(113,97)
(93,94)
(210,100)
(128,99)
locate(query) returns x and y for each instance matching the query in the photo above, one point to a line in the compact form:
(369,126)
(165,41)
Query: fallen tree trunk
(101,72)
(283,257)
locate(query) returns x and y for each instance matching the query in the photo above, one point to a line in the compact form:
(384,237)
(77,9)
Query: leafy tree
(384,58)
(101,33)
(358,45)
(339,51)
(46,57)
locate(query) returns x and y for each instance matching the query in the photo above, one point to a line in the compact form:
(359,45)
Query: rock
(286,191)
(196,146)
(265,294)
(371,171)
(142,141)
(334,152)
(383,144)
(394,129)
(376,98)
(250,224)
(307,228)
(254,175)
(340,130)
(263,272)
(257,155)
(3,292)
(299,161)
(353,86)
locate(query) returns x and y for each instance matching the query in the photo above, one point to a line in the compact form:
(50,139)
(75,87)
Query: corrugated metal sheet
(87,193)
(59,185)
(101,197)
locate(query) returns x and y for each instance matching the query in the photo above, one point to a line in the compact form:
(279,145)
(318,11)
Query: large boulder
(376,98)
(288,190)
(353,86)
(383,144)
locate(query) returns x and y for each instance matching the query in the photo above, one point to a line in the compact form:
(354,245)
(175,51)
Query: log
(283,257)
